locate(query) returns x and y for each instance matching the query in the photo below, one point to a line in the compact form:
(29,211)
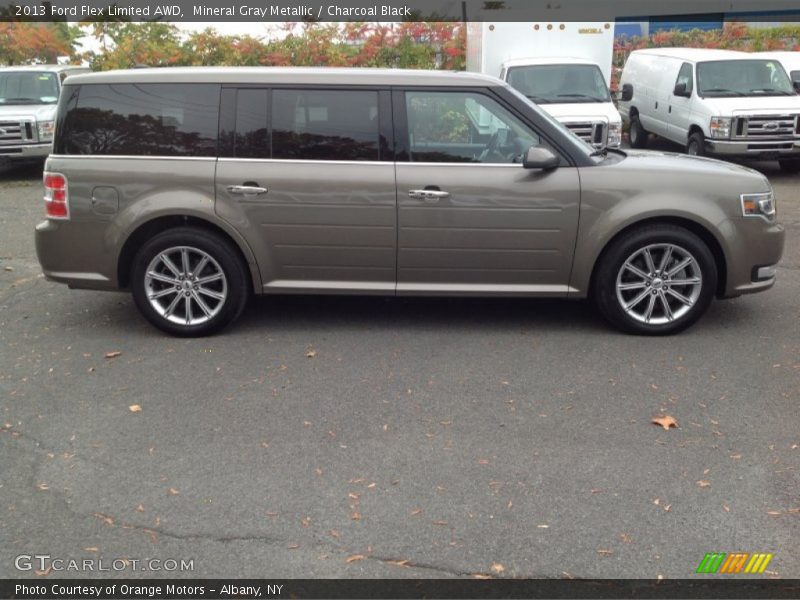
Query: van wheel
(189,282)
(637,133)
(655,280)
(789,165)
(696,146)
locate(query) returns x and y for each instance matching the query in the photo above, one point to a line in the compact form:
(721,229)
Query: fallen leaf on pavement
(625,538)
(497,568)
(140,508)
(42,486)
(415,512)
(311,353)
(114,354)
(134,408)
(174,492)
(605,552)
(398,563)
(481,576)
(354,558)
(665,421)
(703,483)
(92,549)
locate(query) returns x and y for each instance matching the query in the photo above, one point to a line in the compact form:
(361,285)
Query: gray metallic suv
(195,188)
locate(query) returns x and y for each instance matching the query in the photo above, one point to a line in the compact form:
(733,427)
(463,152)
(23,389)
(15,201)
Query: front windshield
(583,146)
(28,87)
(560,84)
(732,78)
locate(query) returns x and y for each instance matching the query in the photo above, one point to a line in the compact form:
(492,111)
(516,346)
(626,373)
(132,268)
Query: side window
(251,138)
(464,127)
(325,125)
(154,119)
(685,77)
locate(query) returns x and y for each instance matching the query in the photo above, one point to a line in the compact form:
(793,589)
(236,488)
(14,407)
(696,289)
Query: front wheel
(655,280)
(637,133)
(189,282)
(696,145)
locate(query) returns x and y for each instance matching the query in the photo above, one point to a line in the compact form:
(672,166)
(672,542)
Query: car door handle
(430,195)
(246,190)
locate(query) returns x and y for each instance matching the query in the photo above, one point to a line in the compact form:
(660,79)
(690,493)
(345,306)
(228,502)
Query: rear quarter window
(153,119)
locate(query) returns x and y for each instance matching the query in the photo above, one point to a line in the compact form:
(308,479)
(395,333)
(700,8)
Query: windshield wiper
(19,101)
(773,90)
(538,99)
(722,91)
(592,98)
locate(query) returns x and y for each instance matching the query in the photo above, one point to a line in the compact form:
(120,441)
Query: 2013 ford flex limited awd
(195,188)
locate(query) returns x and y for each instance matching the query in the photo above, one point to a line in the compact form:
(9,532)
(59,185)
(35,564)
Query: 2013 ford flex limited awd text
(195,188)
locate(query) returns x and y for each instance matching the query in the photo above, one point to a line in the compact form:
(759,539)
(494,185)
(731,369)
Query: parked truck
(28,97)
(563,67)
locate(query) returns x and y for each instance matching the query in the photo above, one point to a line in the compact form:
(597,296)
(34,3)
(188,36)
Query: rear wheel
(789,165)
(695,146)
(189,282)
(637,133)
(655,280)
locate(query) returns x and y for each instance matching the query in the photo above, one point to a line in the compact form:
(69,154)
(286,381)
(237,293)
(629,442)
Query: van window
(325,125)
(464,127)
(153,119)
(685,77)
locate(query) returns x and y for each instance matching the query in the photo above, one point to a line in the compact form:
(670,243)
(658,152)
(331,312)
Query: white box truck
(563,67)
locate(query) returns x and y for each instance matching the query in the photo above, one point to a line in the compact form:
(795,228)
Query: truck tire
(696,145)
(637,133)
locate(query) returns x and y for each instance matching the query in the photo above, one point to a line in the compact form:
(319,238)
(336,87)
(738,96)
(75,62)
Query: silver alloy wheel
(185,285)
(659,284)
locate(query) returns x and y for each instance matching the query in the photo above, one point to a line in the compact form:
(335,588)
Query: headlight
(614,134)
(759,205)
(720,127)
(46,130)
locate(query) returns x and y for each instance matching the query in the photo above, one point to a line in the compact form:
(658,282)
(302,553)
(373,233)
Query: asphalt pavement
(388,437)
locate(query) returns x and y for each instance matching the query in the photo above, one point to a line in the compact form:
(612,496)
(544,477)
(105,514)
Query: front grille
(771,127)
(593,132)
(15,132)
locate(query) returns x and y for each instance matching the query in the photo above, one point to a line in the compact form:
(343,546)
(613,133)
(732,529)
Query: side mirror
(627,92)
(796,81)
(680,90)
(539,157)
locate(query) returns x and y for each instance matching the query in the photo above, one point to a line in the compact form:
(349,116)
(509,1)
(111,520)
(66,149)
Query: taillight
(56,200)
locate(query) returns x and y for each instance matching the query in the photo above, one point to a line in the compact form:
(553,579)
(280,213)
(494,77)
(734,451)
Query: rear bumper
(86,266)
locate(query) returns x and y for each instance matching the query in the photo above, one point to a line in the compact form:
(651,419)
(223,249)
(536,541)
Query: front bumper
(756,249)
(25,151)
(754,148)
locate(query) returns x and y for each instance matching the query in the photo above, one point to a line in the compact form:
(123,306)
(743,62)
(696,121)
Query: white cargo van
(563,67)
(28,97)
(718,102)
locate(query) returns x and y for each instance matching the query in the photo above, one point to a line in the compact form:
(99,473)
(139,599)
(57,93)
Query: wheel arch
(708,238)
(152,227)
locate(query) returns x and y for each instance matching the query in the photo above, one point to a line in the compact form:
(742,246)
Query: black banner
(175,589)
(374,10)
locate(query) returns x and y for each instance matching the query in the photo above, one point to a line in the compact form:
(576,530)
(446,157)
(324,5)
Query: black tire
(233,286)
(789,165)
(637,133)
(696,145)
(609,271)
